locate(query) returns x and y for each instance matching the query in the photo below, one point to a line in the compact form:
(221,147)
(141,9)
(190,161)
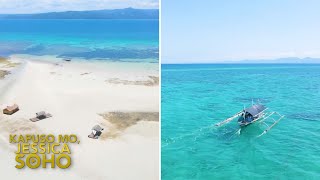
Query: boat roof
(255,109)
(97,128)
(13,107)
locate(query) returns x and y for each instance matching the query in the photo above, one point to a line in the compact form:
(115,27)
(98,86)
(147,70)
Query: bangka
(9,110)
(255,113)
(40,116)
(96,132)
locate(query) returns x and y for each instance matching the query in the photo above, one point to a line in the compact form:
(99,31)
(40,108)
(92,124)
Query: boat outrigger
(255,113)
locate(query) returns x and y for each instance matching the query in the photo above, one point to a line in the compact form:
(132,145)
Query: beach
(80,94)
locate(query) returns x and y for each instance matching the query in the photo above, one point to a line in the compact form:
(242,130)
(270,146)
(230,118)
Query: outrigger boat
(255,113)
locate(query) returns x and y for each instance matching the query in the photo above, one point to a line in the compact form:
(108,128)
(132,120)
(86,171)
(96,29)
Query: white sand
(75,100)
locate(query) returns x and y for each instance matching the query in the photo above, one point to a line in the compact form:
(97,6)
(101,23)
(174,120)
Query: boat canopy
(255,109)
(97,128)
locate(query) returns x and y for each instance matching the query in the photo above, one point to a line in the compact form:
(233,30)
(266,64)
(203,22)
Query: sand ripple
(152,81)
(119,121)
(3,73)
(18,126)
(5,63)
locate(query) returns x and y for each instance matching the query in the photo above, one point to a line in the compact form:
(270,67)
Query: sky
(38,6)
(208,31)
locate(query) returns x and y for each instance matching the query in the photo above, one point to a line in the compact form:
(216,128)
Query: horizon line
(273,60)
(81,10)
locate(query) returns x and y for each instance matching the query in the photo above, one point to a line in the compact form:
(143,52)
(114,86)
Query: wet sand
(118,122)
(151,81)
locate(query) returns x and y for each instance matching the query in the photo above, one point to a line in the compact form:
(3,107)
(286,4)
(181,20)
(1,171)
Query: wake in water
(225,133)
(211,130)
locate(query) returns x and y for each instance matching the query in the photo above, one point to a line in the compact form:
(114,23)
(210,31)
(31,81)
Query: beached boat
(9,110)
(40,116)
(255,113)
(96,132)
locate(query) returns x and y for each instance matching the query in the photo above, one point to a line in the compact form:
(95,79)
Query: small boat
(9,110)
(40,116)
(251,114)
(255,113)
(96,132)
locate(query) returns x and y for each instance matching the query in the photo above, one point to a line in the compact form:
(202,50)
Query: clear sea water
(195,97)
(123,40)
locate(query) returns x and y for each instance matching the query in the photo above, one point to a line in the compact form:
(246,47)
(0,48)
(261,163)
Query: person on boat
(249,118)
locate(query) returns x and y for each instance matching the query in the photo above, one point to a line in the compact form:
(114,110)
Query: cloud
(37,6)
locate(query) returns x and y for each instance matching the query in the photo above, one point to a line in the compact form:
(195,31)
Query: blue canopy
(255,109)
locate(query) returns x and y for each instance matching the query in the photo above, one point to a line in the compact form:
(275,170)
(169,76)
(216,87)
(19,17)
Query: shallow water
(195,97)
(120,40)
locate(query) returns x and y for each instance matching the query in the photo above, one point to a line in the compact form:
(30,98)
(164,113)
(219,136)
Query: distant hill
(289,60)
(127,13)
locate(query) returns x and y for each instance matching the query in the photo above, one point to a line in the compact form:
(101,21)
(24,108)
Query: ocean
(116,40)
(196,96)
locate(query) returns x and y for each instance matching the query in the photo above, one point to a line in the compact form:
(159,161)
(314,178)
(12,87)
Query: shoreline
(76,93)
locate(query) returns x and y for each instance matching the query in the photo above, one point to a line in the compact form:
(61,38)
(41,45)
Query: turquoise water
(129,40)
(194,97)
